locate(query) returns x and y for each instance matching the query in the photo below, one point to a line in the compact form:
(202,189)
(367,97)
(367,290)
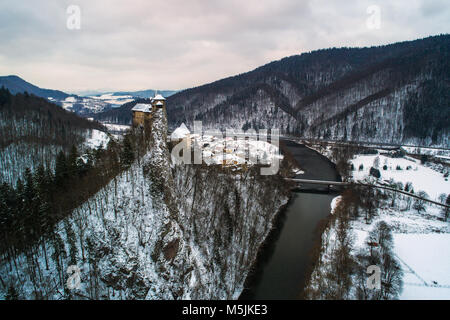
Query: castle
(143,112)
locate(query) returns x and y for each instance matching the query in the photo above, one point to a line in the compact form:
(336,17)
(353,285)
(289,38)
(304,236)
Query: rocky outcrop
(156,231)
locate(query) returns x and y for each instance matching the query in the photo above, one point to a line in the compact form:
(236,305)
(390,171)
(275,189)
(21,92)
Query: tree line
(31,208)
(25,117)
(344,274)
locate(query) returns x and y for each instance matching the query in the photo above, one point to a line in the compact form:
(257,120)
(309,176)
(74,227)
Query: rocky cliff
(157,231)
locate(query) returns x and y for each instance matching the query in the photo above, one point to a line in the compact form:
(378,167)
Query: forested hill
(33,130)
(155,229)
(398,93)
(27,117)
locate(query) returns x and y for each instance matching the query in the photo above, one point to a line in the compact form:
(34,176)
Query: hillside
(33,131)
(398,93)
(158,230)
(407,237)
(122,114)
(70,102)
(82,105)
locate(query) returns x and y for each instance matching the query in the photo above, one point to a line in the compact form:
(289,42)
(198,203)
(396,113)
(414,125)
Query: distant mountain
(121,115)
(70,102)
(135,94)
(16,84)
(145,93)
(121,102)
(398,93)
(92,102)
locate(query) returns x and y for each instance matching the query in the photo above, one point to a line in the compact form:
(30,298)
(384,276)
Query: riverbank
(284,262)
(414,233)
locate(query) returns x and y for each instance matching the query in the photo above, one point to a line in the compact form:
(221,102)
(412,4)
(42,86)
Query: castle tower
(143,112)
(158,101)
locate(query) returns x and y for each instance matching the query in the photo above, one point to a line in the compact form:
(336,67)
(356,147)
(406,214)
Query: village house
(181,133)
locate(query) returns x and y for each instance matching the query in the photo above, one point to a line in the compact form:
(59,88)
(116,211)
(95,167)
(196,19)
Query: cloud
(166,44)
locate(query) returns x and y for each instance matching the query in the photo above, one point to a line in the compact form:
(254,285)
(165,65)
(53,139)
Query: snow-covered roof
(158,97)
(180,132)
(159,103)
(142,107)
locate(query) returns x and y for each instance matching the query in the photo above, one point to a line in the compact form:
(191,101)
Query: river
(283,261)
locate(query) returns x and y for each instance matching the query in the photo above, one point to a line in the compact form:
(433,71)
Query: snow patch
(335,203)
(425,260)
(421,177)
(97,139)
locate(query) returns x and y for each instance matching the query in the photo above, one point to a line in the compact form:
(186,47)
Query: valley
(283,264)
(119,189)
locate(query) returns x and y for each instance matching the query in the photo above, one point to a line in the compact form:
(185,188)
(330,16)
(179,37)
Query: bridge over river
(284,260)
(330,184)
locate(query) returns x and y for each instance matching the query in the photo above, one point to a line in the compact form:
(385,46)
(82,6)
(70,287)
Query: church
(143,112)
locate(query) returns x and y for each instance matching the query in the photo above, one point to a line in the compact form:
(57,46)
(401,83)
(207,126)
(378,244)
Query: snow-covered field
(113,99)
(421,247)
(427,151)
(93,104)
(421,177)
(421,241)
(425,261)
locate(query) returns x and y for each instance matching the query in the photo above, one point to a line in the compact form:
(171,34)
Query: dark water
(285,258)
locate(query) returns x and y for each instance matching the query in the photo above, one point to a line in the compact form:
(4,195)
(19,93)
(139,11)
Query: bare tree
(419,203)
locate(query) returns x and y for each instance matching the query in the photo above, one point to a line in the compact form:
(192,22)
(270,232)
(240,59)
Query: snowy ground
(96,139)
(421,246)
(113,99)
(93,104)
(421,177)
(427,151)
(116,127)
(421,241)
(334,203)
(425,261)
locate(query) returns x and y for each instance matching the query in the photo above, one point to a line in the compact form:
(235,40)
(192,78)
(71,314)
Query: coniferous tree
(18,224)
(58,256)
(446,210)
(73,251)
(12,293)
(61,169)
(29,206)
(127,155)
(5,96)
(72,165)
(6,215)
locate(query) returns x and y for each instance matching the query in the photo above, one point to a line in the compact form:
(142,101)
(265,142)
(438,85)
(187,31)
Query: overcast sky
(164,44)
